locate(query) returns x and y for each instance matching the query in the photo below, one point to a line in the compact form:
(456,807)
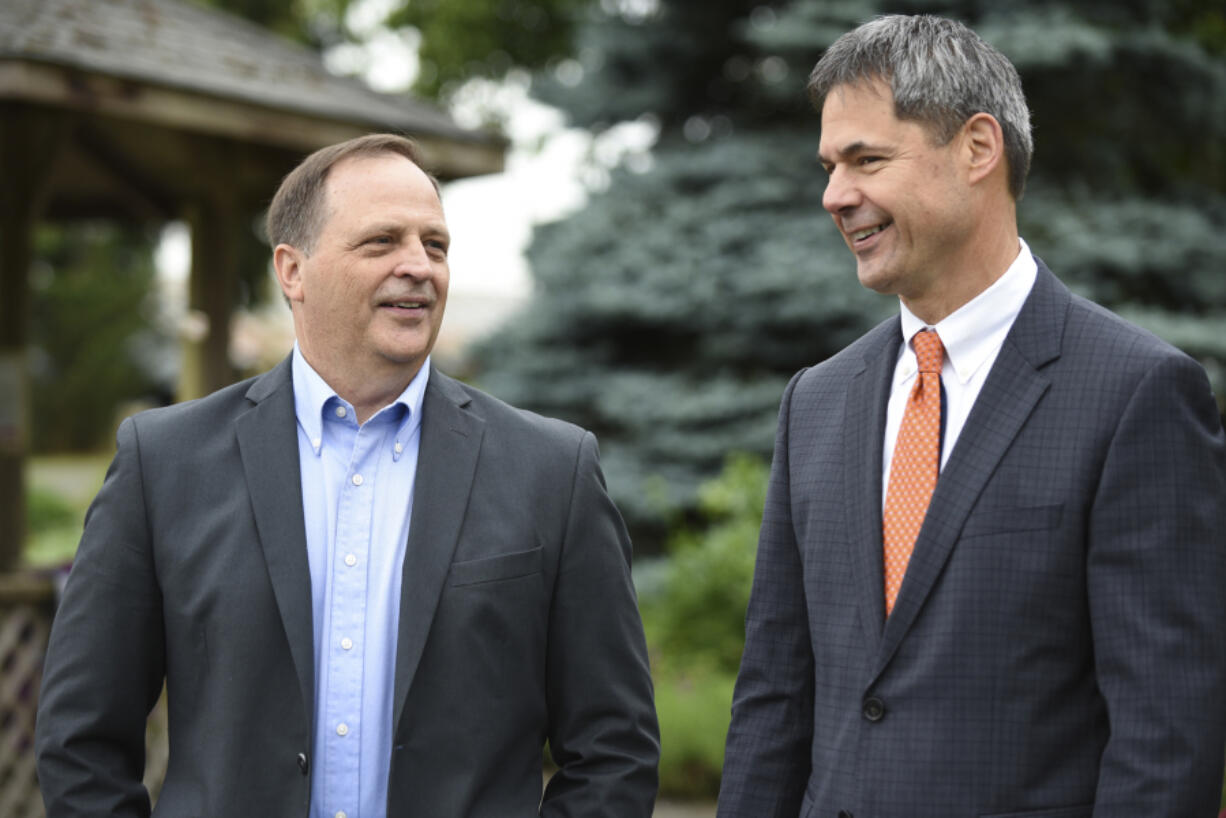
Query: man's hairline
(876,82)
(325,211)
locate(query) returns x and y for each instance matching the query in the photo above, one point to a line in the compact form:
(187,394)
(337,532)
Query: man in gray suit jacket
(369,590)
(1049,641)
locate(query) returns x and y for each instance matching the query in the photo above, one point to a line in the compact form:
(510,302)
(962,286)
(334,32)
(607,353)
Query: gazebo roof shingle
(180,45)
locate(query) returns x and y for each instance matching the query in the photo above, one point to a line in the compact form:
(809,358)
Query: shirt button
(341,814)
(342,729)
(357,479)
(399,448)
(341,411)
(351,560)
(347,643)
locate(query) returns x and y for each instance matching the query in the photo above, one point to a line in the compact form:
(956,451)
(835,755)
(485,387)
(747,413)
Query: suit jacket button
(303,764)
(845,814)
(873,709)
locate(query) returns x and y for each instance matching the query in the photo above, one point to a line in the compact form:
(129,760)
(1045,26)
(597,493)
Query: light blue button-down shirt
(357,496)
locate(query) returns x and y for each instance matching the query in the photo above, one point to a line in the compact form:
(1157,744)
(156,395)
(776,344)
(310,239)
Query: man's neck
(976,268)
(367,394)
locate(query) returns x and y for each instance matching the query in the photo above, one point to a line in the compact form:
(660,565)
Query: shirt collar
(312,393)
(973,332)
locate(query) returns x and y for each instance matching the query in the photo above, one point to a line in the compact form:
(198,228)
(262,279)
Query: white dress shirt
(972,336)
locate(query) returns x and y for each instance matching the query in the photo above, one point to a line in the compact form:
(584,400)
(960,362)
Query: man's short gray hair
(941,74)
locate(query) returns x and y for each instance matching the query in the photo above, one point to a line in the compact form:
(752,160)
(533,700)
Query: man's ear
(287,262)
(984,146)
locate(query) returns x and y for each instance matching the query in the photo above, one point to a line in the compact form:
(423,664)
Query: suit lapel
(447,458)
(268,444)
(1009,395)
(865,411)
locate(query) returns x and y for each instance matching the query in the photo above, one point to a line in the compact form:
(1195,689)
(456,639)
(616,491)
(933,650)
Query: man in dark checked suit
(371,591)
(991,578)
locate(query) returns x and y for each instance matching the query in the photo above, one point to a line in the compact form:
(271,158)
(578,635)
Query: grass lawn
(61,487)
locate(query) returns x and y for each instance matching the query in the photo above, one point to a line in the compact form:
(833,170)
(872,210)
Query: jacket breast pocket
(1079,811)
(1009,520)
(497,568)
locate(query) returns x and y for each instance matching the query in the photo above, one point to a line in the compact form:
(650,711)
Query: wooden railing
(27,605)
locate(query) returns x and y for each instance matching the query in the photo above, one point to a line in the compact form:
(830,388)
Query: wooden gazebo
(154,110)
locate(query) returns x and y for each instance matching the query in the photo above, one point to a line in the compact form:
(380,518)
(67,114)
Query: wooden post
(216,221)
(16,222)
(29,140)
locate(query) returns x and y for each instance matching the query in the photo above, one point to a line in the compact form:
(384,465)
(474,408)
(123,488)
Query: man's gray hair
(941,74)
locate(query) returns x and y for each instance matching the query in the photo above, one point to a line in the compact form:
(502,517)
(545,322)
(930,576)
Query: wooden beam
(146,194)
(452,154)
(26,589)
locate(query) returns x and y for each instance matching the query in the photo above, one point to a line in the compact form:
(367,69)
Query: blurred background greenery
(668,313)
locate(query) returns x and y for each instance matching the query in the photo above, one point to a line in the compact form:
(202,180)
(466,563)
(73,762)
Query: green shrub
(694,610)
(94,343)
(694,711)
(47,511)
(693,605)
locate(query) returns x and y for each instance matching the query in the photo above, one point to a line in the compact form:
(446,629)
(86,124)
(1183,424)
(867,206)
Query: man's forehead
(866,93)
(356,179)
(856,117)
(359,164)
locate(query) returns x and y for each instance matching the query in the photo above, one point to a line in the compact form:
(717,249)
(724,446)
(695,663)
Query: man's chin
(400,357)
(408,353)
(873,277)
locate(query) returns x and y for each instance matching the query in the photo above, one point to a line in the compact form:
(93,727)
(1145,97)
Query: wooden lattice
(23,641)
(25,624)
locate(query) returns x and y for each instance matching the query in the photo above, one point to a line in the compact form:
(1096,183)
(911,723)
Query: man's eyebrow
(851,149)
(437,230)
(362,233)
(396,229)
(383,227)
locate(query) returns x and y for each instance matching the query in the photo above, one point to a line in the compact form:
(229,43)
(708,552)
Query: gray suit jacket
(518,622)
(1058,647)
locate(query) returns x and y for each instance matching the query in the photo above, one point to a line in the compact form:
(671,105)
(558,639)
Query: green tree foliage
(668,315)
(91,332)
(315,22)
(462,39)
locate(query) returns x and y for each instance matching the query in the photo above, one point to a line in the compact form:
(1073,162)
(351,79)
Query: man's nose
(413,260)
(840,193)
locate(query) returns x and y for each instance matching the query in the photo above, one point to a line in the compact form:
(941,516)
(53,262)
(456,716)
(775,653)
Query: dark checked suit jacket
(1058,646)
(517,622)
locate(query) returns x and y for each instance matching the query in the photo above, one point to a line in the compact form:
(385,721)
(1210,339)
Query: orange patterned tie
(916,463)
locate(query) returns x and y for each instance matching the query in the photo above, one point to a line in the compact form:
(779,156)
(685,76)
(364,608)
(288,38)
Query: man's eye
(867,160)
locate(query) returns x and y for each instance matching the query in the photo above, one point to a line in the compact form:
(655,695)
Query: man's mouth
(861,235)
(405,305)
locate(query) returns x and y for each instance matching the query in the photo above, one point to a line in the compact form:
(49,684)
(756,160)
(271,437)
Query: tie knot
(929,351)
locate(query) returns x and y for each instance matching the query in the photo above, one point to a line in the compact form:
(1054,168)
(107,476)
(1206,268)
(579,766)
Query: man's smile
(863,237)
